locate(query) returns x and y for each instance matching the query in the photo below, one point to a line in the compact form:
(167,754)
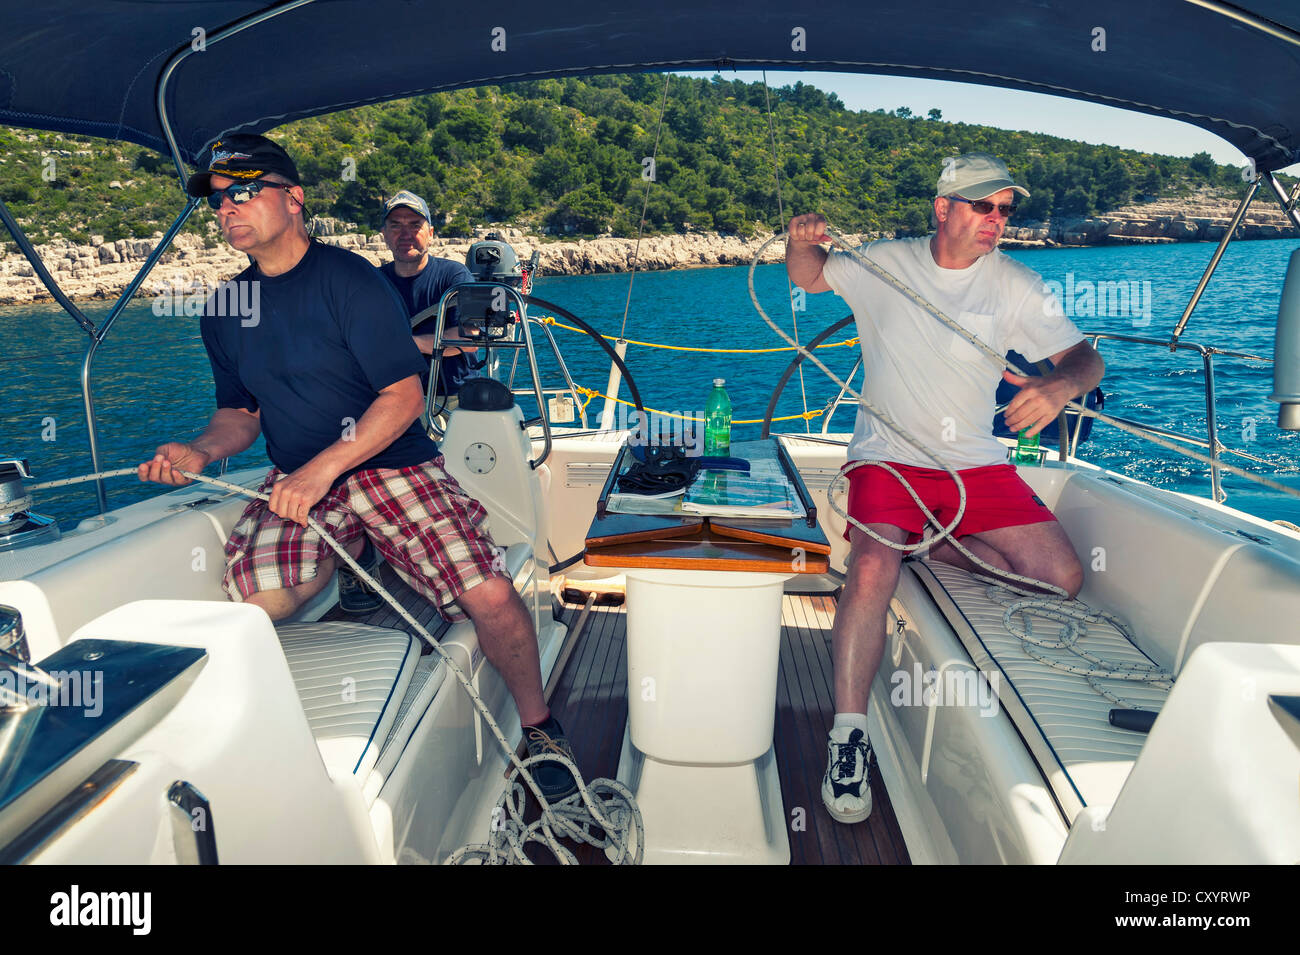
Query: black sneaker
(355,595)
(552,779)
(846,787)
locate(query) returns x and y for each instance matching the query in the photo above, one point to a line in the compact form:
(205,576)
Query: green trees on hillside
(571,156)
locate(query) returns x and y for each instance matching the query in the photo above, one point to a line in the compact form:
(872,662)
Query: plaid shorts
(421,521)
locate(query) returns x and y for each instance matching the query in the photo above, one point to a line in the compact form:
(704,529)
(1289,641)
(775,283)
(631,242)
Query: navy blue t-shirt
(424,290)
(324,338)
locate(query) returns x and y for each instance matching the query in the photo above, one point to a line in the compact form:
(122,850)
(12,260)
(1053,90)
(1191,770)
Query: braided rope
(942,532)
(1074,618)
(615,814)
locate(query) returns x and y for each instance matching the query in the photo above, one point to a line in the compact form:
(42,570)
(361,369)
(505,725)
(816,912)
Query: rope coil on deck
(614,813)
(575,817)
(1074,618)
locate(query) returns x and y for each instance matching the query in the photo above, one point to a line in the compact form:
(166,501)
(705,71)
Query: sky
(1011,109)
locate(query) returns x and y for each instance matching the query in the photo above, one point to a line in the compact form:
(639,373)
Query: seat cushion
(351,679)
(1063,720)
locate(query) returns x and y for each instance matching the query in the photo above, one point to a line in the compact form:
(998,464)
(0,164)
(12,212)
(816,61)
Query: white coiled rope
(1073,615)
(603,805)
(1074,618)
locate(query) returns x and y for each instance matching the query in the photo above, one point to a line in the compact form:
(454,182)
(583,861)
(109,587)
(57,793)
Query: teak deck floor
(591,702)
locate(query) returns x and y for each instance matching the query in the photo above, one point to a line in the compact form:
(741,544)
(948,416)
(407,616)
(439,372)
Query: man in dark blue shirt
(318,356)
(421,280)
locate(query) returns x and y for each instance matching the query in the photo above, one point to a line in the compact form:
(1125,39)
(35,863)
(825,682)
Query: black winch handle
(1139,721)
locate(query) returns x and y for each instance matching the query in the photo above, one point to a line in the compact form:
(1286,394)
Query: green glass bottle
(1027,450)
(717,421)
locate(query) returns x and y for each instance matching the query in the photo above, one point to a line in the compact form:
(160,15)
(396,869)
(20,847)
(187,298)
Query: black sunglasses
(984,207)
(241,192)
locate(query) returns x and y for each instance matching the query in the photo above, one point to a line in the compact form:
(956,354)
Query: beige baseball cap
(975,176)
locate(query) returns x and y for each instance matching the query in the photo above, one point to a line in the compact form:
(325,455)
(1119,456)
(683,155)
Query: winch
(19,527)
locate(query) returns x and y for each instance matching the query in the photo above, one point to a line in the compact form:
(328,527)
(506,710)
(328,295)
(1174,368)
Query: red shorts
(995,497)
(419,519)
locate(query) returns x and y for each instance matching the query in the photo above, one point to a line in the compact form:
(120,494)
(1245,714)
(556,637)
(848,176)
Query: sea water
(152,382)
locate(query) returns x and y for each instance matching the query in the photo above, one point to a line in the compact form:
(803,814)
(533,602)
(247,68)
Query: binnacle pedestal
(703,650)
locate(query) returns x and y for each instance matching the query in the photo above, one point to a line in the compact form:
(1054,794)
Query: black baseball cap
(242,156)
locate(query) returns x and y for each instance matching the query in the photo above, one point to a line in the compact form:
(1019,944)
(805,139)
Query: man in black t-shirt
(318,356)
(421,280)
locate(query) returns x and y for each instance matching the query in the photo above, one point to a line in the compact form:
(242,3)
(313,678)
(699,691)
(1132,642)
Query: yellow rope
(548,320)
(668,414)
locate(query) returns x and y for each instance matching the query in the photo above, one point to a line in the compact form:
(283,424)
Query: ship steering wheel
(599,338)
(793,366)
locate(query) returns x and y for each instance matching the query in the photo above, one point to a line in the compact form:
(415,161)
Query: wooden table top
(706,547)
(692,542)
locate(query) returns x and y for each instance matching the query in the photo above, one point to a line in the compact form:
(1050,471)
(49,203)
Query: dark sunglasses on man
(241,192)
(983,207)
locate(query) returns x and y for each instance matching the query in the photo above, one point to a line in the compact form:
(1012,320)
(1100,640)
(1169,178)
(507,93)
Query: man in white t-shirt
(941,389)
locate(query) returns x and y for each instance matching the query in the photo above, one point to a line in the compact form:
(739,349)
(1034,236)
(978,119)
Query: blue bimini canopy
(222,65)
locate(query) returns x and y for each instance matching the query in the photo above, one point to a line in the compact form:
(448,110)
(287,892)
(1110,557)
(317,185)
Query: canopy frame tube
(1288,203)
(1214,262)
(87,392)
(98,334)
(95,334)
(238,26)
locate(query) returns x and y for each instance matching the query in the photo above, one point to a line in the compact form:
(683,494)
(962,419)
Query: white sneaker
(846,787)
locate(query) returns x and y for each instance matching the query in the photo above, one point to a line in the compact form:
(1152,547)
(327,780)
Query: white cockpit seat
(351,679)
(364,689)
(1062,719)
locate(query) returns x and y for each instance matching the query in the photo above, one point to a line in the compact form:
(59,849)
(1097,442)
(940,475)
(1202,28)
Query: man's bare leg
(944,551)
(858,644)
(509,641)
(858,637)
(1042,551)
(280,604)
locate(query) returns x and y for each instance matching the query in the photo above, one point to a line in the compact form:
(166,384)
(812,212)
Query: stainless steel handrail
(833,405)
(1212,444)
(564,368)
(527,345)
(1184,438)
(96,335)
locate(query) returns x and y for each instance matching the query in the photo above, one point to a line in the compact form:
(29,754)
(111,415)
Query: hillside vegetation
(568,157)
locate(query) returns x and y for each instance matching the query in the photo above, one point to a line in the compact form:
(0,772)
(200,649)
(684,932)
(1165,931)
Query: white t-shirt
(922,374)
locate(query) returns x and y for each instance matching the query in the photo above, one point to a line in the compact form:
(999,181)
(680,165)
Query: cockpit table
(703,650)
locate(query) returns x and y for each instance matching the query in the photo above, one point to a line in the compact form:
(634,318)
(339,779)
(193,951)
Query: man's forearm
(1082,369)
(804,262)
(388,416)
(230,432)
(450,345)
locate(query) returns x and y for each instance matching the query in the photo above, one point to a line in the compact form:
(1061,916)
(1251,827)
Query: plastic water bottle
(1027,450)
(717,421)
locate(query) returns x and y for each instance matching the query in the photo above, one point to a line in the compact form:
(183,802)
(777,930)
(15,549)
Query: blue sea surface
(152,382)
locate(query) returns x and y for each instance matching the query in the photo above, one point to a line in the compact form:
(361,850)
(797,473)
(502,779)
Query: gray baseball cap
(411,201)
(975,176)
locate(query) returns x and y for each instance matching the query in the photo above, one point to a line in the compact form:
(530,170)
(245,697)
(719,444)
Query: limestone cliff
(102,269)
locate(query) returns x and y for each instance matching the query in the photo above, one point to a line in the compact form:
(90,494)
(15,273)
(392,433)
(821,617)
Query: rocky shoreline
(101,270)
(1201,219)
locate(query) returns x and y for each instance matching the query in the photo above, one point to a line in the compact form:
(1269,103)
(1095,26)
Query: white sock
(852,721)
